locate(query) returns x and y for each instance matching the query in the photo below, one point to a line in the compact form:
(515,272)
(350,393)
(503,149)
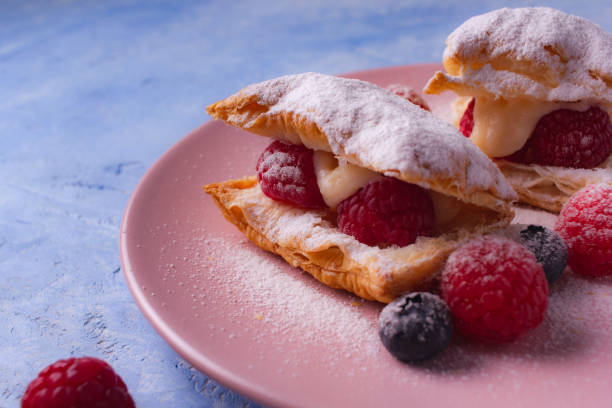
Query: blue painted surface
(91,93)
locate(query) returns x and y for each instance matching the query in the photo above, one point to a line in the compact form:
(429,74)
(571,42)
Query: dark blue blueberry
(415,326)
(549,249)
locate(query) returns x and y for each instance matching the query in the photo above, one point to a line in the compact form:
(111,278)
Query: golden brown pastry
(377,132)
(519,66)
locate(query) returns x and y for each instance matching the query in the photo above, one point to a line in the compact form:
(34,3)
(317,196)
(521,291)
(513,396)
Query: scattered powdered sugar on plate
(530,215)
(287,300)
(296,311)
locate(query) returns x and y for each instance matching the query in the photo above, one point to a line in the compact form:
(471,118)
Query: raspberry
(495,289)
(286,173)
(387,212)
(549,249)
(415,326)
(409,94)
(466,125)
(585,224)
(84,382)
(568,138)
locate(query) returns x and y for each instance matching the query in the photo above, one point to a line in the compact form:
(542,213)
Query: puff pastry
(520,64)
(372,128)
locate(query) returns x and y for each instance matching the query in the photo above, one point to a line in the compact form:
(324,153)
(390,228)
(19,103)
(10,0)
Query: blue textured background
(92,92)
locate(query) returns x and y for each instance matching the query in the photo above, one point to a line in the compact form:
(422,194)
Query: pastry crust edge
(365,282)
(545,188)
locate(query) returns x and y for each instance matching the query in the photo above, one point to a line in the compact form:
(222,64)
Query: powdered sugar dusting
(286,300)
(577,52)
(377,129)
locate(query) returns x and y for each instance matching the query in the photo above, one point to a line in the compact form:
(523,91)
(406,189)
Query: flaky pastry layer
(549,187)
(372,128)
(309,240)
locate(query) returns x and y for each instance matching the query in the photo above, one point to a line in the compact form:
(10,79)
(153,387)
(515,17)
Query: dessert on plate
(535,94)
(360,188)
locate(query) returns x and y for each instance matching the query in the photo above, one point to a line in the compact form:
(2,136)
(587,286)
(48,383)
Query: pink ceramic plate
(276,335)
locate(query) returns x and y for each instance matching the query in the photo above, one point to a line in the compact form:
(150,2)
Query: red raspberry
(495,289)
(84,382)
(466,125)
(409,94)
(387,212)
(286,173)
(585,224)
(568,138)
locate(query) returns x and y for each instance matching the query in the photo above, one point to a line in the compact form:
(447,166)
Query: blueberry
(549,249)
(415,326)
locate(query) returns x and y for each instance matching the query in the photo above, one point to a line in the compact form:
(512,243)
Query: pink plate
(276,335)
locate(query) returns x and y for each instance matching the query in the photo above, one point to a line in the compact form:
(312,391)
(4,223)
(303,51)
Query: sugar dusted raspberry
(85,382)
(286,173)
(387,212)
(585,224)
(495,289)
(466,125)
(568,138)
(409,94)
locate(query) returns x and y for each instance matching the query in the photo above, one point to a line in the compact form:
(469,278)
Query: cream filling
(445,207)
(502,126)
(338,179)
